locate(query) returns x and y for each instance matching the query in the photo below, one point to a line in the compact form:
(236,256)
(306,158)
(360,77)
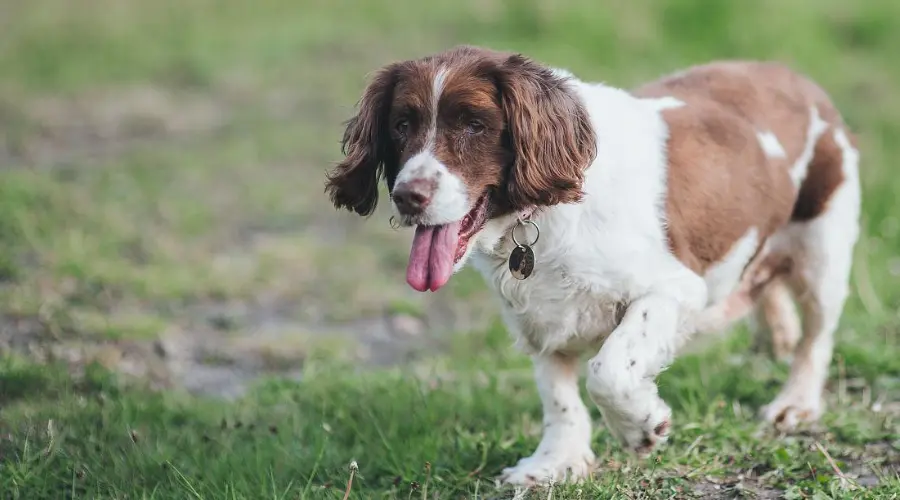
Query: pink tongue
(432,256)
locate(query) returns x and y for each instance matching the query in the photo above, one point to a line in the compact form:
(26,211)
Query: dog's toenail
(662,428)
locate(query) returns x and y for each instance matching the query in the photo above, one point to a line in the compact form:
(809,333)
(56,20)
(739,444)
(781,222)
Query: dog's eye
(474,127)
(402,126)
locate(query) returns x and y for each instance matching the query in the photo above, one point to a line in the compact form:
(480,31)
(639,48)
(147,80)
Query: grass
(449,429)
(162,179)
(99,439)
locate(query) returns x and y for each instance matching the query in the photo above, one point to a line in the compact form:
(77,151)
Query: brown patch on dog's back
(826,169)
(721,183)
(825,175)
(768,95)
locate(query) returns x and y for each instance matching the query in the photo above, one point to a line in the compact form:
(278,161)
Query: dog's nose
(413,196)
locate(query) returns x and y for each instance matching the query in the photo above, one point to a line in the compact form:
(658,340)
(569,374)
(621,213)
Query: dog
(617,223)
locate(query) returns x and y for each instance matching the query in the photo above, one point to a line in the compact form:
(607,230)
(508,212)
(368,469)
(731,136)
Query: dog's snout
(412,197)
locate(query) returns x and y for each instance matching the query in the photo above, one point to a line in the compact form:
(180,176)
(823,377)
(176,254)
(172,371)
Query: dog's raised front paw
(653,437)
(644,436)
(544,467)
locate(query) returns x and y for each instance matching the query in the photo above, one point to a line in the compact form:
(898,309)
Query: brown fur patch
(551,135)
(721,182)
(353,184)
(469,97)
(824,176)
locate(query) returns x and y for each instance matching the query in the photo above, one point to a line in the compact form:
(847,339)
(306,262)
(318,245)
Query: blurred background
(162,167)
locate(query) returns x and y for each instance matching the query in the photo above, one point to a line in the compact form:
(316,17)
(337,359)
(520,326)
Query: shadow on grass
(27,382)
(20,384)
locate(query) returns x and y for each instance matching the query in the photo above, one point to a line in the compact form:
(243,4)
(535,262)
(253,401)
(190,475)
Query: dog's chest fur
(593,257)
(553,310)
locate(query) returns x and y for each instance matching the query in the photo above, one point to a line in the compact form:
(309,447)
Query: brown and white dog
(679,206)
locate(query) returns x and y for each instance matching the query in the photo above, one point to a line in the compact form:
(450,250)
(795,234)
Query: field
(184,315)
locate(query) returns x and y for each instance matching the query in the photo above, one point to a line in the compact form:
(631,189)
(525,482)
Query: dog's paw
(786,413)
(546,467)
(652,438)
(644,436)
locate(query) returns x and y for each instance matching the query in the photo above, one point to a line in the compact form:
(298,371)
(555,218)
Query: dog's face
(461,138)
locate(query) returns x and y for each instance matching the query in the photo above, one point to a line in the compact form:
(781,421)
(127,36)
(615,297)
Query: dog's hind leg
(775,324)
(822,235)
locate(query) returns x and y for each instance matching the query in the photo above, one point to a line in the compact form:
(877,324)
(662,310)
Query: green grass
(449,427)
(161,175)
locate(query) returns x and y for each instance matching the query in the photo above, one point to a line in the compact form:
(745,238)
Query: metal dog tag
(521,262)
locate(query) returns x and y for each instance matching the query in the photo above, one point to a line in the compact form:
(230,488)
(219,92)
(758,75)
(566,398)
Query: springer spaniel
(616,222)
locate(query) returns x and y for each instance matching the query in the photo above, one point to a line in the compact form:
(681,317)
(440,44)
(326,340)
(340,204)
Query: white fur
(566,443)
(815,130)
(588,254)
(611,249)
(664,103)
(450,201)
(591,258)
(722,277)
(437,88)
(770,144)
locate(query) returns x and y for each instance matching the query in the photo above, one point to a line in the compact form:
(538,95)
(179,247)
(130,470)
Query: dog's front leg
(621,377)
(565,447)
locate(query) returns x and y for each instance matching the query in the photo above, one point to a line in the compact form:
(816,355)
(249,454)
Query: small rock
(223,322)
(405,324)
(868,481)
(108,356)
(159,349)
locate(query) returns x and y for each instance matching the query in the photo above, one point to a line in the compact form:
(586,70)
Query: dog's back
(745,127)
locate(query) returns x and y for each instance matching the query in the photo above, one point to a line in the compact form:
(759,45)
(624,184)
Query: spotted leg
(621,377)
(565,448)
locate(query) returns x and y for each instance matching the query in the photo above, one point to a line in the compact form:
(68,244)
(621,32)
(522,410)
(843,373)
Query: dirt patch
(229,346)
(734,488)
(221,349)
(866,467)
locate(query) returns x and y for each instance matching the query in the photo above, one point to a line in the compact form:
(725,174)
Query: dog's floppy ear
(353,183)
(549,132)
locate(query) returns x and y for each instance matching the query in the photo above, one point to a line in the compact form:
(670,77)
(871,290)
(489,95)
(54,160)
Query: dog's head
(461,138)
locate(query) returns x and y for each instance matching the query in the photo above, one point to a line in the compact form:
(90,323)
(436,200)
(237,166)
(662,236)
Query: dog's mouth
(437,249)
